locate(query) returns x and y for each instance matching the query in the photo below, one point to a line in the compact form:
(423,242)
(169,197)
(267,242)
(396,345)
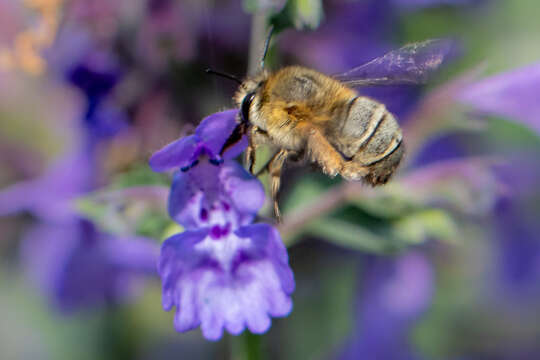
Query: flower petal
(215,129)
(508,94)
(177,154)
(209,194)
(246,192)
(227,281)
(267,237)
(176,254)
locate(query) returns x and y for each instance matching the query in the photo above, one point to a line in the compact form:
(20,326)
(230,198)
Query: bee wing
(411,64)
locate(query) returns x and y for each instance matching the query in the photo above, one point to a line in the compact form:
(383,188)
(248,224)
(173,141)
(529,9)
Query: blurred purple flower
(518,251)
(353,33)
(395,293)
(95,77)
(222,272)
(221,277)
(90,67)
(511,94)
(76,266)
(50,197)
(165,34)
(209,138)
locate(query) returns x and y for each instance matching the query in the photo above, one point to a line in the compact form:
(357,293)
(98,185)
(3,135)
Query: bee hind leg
(330,160)
(323,153)
(352,170)
(275,167)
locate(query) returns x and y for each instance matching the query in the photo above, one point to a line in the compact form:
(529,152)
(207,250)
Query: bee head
(248,93)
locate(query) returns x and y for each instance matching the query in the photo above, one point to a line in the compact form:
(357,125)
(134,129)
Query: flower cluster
(75,264)
(222,271)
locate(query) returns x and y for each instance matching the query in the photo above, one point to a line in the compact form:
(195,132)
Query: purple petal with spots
(210,194)
(512,94)
(219,279)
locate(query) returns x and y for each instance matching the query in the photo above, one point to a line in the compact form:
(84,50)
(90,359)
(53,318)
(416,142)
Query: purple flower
(209,138)
(95,71)
(165,34)
(353,33)
(209,194)
(518,251)
(221,277)
(50,196)
(222,272)
(395,293)
(77,266)
(512,94)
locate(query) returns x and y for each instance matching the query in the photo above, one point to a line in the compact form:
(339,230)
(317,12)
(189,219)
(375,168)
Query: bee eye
(245,106)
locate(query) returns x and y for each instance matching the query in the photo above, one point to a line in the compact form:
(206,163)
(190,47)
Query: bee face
(247,98)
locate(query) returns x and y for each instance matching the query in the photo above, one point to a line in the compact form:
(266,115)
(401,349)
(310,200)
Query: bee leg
(275,167)
(256,138)
(322,152)
(249,160)
(352,170)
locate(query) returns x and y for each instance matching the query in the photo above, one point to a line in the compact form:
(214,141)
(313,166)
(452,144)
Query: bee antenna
(267,45)
(222,74)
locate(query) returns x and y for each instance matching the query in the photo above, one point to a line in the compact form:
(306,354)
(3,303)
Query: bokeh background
(443,263)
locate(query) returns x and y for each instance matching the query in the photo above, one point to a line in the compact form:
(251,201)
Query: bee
(306,114)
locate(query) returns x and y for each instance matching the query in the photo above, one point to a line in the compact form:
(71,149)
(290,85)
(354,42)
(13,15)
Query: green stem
(256,44)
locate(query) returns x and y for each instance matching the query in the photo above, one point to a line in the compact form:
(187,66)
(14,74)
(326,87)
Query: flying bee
(306,114)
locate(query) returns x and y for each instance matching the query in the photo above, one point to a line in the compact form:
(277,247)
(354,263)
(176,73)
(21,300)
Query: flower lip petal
(215,129)
(232,284)
(178,154)
(266,237)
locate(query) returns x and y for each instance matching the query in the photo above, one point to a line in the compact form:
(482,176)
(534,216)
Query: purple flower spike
(77,266)
(209,138)
(508,94)
(220,279)
(396,292)
(209,195)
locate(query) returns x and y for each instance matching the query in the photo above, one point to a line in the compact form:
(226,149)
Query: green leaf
(302,194)
(139,175)
(424,225)
(385,204)
(352,236)
(137,210)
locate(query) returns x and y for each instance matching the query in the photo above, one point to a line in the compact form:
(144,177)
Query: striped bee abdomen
(370,136)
